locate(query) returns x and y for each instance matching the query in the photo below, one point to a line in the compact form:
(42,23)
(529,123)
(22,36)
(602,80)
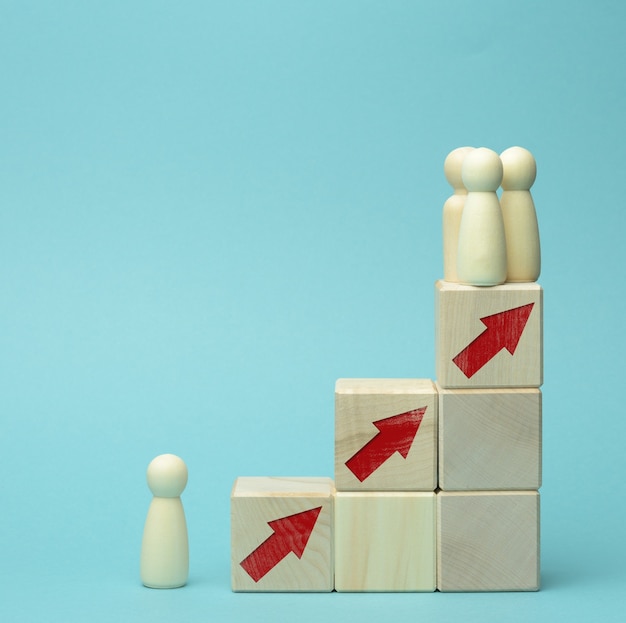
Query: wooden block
(488,336)
(488,541)
(489,439)
(281,534)
(385,435)
(385,541)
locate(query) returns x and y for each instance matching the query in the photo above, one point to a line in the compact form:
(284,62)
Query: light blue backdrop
(211,211)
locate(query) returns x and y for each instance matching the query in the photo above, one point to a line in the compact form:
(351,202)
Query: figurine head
(167,476)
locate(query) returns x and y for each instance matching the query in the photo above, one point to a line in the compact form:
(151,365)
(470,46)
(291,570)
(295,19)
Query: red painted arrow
(504,330)
(291,534)
(396,434)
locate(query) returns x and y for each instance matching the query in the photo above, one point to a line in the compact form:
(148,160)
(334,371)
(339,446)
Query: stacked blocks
(489,362)
(436,483)
(489,365)
(385,474)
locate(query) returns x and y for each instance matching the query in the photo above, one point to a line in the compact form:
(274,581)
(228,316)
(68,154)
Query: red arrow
(396,434)
(291,534)
(504,330)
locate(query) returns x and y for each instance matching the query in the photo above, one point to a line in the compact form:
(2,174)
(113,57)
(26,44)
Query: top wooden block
(489,336)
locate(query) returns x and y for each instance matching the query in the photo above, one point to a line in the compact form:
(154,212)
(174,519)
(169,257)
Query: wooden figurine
(385,435)
(385,541)
(489,439)
(165,549)
(481,255)
(281,534)
(520,219)
(453,210)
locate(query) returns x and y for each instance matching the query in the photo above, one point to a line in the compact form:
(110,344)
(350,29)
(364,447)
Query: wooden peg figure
(165,549)
(452,210)
(481,255)
(520,219)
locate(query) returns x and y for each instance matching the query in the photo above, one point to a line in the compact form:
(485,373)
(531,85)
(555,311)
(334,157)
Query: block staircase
(436,484)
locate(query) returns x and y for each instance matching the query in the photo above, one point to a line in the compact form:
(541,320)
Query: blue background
(211,211)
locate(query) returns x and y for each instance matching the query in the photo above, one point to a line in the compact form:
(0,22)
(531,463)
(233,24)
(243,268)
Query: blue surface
(211,211)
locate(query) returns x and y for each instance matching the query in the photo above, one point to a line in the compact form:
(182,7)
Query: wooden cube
(488,336)
(489,439)
(385,435)
(385,541)
(281,534)
(488,541)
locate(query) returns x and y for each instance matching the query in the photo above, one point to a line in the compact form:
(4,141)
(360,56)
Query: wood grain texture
(385,541)
(255,501)
(458,312)
(488,541)
(489,439)
(359,403)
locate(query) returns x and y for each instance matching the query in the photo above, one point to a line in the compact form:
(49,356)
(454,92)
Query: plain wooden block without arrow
(385,541)
(488,541)
(281,534)
(489,439)
(488,336)
(385,435)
